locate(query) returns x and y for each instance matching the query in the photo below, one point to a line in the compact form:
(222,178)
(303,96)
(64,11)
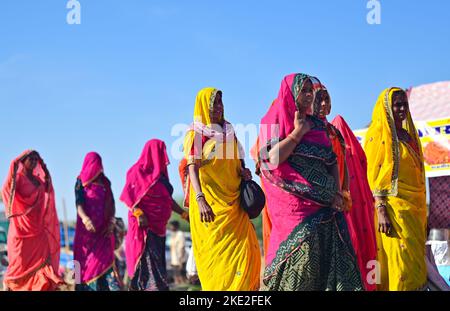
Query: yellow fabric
(396,171)
(203,105)
(226,251)
(382,147)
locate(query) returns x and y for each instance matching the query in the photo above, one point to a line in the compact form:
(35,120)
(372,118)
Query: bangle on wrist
(199,195)
(137,212)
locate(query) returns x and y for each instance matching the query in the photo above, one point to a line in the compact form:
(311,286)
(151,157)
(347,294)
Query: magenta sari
(281,184)
(148,188)
(309,247)
(94,250)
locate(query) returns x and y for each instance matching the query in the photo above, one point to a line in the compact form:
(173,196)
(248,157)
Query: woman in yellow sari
(396,177)
(225,246)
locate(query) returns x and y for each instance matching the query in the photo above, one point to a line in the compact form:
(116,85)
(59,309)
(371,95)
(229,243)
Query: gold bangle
(137,212)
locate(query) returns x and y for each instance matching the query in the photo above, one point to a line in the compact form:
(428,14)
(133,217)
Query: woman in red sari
(33,239)
(352,165)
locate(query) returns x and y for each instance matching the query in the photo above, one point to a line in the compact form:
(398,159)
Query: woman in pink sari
(33,238)
(148,196)
(310,247)
(94,240)
(352,165)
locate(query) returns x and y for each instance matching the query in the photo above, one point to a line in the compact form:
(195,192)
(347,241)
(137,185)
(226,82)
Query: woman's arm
(179,210)
(79,201)
(206,212)
(282,150)
(85,219)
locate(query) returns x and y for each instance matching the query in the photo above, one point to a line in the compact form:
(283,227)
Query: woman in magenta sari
(33,238)
(148,196)
(94,239)
(310,247)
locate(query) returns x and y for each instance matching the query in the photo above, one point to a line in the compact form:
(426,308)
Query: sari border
(90,281)
(394,149)
(92,179)
(310,224)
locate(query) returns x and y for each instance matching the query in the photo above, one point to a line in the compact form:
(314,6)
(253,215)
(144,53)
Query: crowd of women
(337,217)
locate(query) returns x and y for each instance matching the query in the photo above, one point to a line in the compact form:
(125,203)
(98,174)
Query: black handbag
(253,198)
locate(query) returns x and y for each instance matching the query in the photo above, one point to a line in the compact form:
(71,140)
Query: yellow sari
(395,171)
(226,251)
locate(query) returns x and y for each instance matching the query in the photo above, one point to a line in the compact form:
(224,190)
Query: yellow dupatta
(395,171)
(382,146)
(226,251)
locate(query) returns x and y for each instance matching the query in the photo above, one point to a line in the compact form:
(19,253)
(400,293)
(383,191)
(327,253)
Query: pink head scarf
(151,165)
(92,168)
(282,111)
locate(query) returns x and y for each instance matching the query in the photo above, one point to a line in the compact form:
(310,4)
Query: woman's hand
(338,202)
(142,221)
(88,224)
(206,212)
(384,223)
(301,126)
(246,174)
(185,216)
(347,200)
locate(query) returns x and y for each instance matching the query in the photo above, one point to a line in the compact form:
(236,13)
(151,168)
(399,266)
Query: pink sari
(309,247)
(146,190)
(360,218)
(94,250)
(33,239)
(282,184)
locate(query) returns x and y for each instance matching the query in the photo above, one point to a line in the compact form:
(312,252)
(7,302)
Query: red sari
(360,217)
(33,238)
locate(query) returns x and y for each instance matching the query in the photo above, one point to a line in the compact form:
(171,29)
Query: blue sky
(132,69)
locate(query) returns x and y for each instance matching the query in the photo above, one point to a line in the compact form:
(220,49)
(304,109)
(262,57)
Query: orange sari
(33,238)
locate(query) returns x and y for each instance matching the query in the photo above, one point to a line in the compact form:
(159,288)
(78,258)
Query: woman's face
(31,161)
(325,105)
(217,113)
(306,96)
(400,106)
